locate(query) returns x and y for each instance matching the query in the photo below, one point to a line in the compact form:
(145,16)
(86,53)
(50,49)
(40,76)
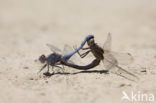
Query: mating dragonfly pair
(109,58)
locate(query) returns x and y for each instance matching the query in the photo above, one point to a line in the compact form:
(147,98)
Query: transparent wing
(109,60)
(53,48)
(113,59)
(67,50)
(108,43)
(110,63)
(123,58)
(126,74)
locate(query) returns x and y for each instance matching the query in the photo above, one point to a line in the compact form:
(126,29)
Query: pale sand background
(27,25)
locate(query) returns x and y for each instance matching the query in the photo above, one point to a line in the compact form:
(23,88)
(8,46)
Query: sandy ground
(27,25)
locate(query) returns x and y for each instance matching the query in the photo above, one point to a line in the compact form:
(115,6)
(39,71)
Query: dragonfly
(55,59)
(109,58)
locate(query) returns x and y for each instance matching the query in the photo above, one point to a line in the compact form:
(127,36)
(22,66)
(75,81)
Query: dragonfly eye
(42,58)
(90,41)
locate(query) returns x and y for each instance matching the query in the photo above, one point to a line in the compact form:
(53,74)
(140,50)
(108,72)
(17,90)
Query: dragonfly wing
(53,48)
(67,50)
(126,74)
(123,58)
(109,61)
(108,43)
(71,62)
(112,59)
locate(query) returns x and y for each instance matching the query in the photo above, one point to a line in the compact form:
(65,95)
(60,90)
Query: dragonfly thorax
(96,50)
(53,58)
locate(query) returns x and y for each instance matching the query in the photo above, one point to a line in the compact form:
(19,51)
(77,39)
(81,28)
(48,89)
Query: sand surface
(27,25)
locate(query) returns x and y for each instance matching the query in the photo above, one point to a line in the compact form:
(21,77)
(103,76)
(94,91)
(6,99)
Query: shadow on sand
(67,73)
(47,74)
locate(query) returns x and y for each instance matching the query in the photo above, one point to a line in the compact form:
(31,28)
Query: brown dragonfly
(110,59)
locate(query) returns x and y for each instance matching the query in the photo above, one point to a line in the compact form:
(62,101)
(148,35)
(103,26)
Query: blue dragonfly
(56,59)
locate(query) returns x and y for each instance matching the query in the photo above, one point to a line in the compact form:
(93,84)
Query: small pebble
(143,71)
(35,60)
(122,85)
(46,81)
(26,67)
(43,94)
(31,78)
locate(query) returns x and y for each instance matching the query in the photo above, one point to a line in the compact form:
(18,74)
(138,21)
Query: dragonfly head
(90,41)
(42,58)
(89,37)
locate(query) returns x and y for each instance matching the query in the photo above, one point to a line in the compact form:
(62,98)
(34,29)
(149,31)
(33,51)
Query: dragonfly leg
(53,69)
(85,48)
(62,68)
(48,69)
(84,54)
(43,67)
(75,48)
